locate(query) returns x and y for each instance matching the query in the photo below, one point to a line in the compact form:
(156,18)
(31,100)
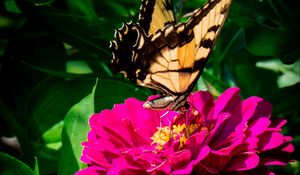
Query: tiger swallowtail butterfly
(160,54)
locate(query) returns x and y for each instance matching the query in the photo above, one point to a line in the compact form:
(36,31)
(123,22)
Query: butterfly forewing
(155,14)
(183,64)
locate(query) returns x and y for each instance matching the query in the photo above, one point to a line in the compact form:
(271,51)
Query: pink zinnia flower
(222,136)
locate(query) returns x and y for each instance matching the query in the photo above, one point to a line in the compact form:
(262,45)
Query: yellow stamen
(164,134)
(161,137)
(182,141)
(179,132)
(193,127)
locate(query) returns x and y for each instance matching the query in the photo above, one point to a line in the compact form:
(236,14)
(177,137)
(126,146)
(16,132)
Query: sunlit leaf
(36,167)
(74,132)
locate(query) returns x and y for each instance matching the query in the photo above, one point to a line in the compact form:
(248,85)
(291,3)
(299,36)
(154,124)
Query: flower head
(226,135)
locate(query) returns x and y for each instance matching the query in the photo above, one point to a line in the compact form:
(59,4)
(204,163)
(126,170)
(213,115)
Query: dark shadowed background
(52,52)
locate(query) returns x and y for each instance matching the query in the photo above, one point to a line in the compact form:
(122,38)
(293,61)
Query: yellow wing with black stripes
(155,15)
(163,55)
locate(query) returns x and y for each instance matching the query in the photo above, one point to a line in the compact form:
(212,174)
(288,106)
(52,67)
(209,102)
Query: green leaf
(74,133)
(265,41)
(215,83)
(289,74)
(11,6)
(48,159)
(50,101)
(85,7)
(11,165)
(286,99)
(251,79)
(113,91)
(46,109)
(247,13)
(271,27)
(52,137)
(36,167)
(40,2)
(231,40)
(117,8)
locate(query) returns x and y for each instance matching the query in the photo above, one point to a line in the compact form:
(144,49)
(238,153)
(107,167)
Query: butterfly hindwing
(155,14)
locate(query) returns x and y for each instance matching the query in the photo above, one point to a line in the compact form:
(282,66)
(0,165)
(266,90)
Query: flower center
(179,133)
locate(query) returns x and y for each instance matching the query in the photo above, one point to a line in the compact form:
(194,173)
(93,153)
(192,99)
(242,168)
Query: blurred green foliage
(52,51)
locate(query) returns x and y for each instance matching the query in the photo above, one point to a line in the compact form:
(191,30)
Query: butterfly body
(162,55)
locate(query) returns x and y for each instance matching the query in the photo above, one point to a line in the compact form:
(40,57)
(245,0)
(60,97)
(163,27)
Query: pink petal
(227,101)
(92,170)
(289,148)
(251,143)
(270,140)
(243,162)
(195,141)
(258,126)
(270,162)
(194,163)
(226,136)
(122,165)
(180,158)
(216,161)
(145,125)
(218,129)
(261,106)
(203,102)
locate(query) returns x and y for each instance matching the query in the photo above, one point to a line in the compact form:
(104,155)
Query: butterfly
(164,55)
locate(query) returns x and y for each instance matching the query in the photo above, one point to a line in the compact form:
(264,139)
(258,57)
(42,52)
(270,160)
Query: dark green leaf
(250,78)
(271,28)
(218,85)
(69,26)
(284,102)
(265,41)
(11,6)
(292,57)
(40,2)
(85,7)
(107,94)
(11,165)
